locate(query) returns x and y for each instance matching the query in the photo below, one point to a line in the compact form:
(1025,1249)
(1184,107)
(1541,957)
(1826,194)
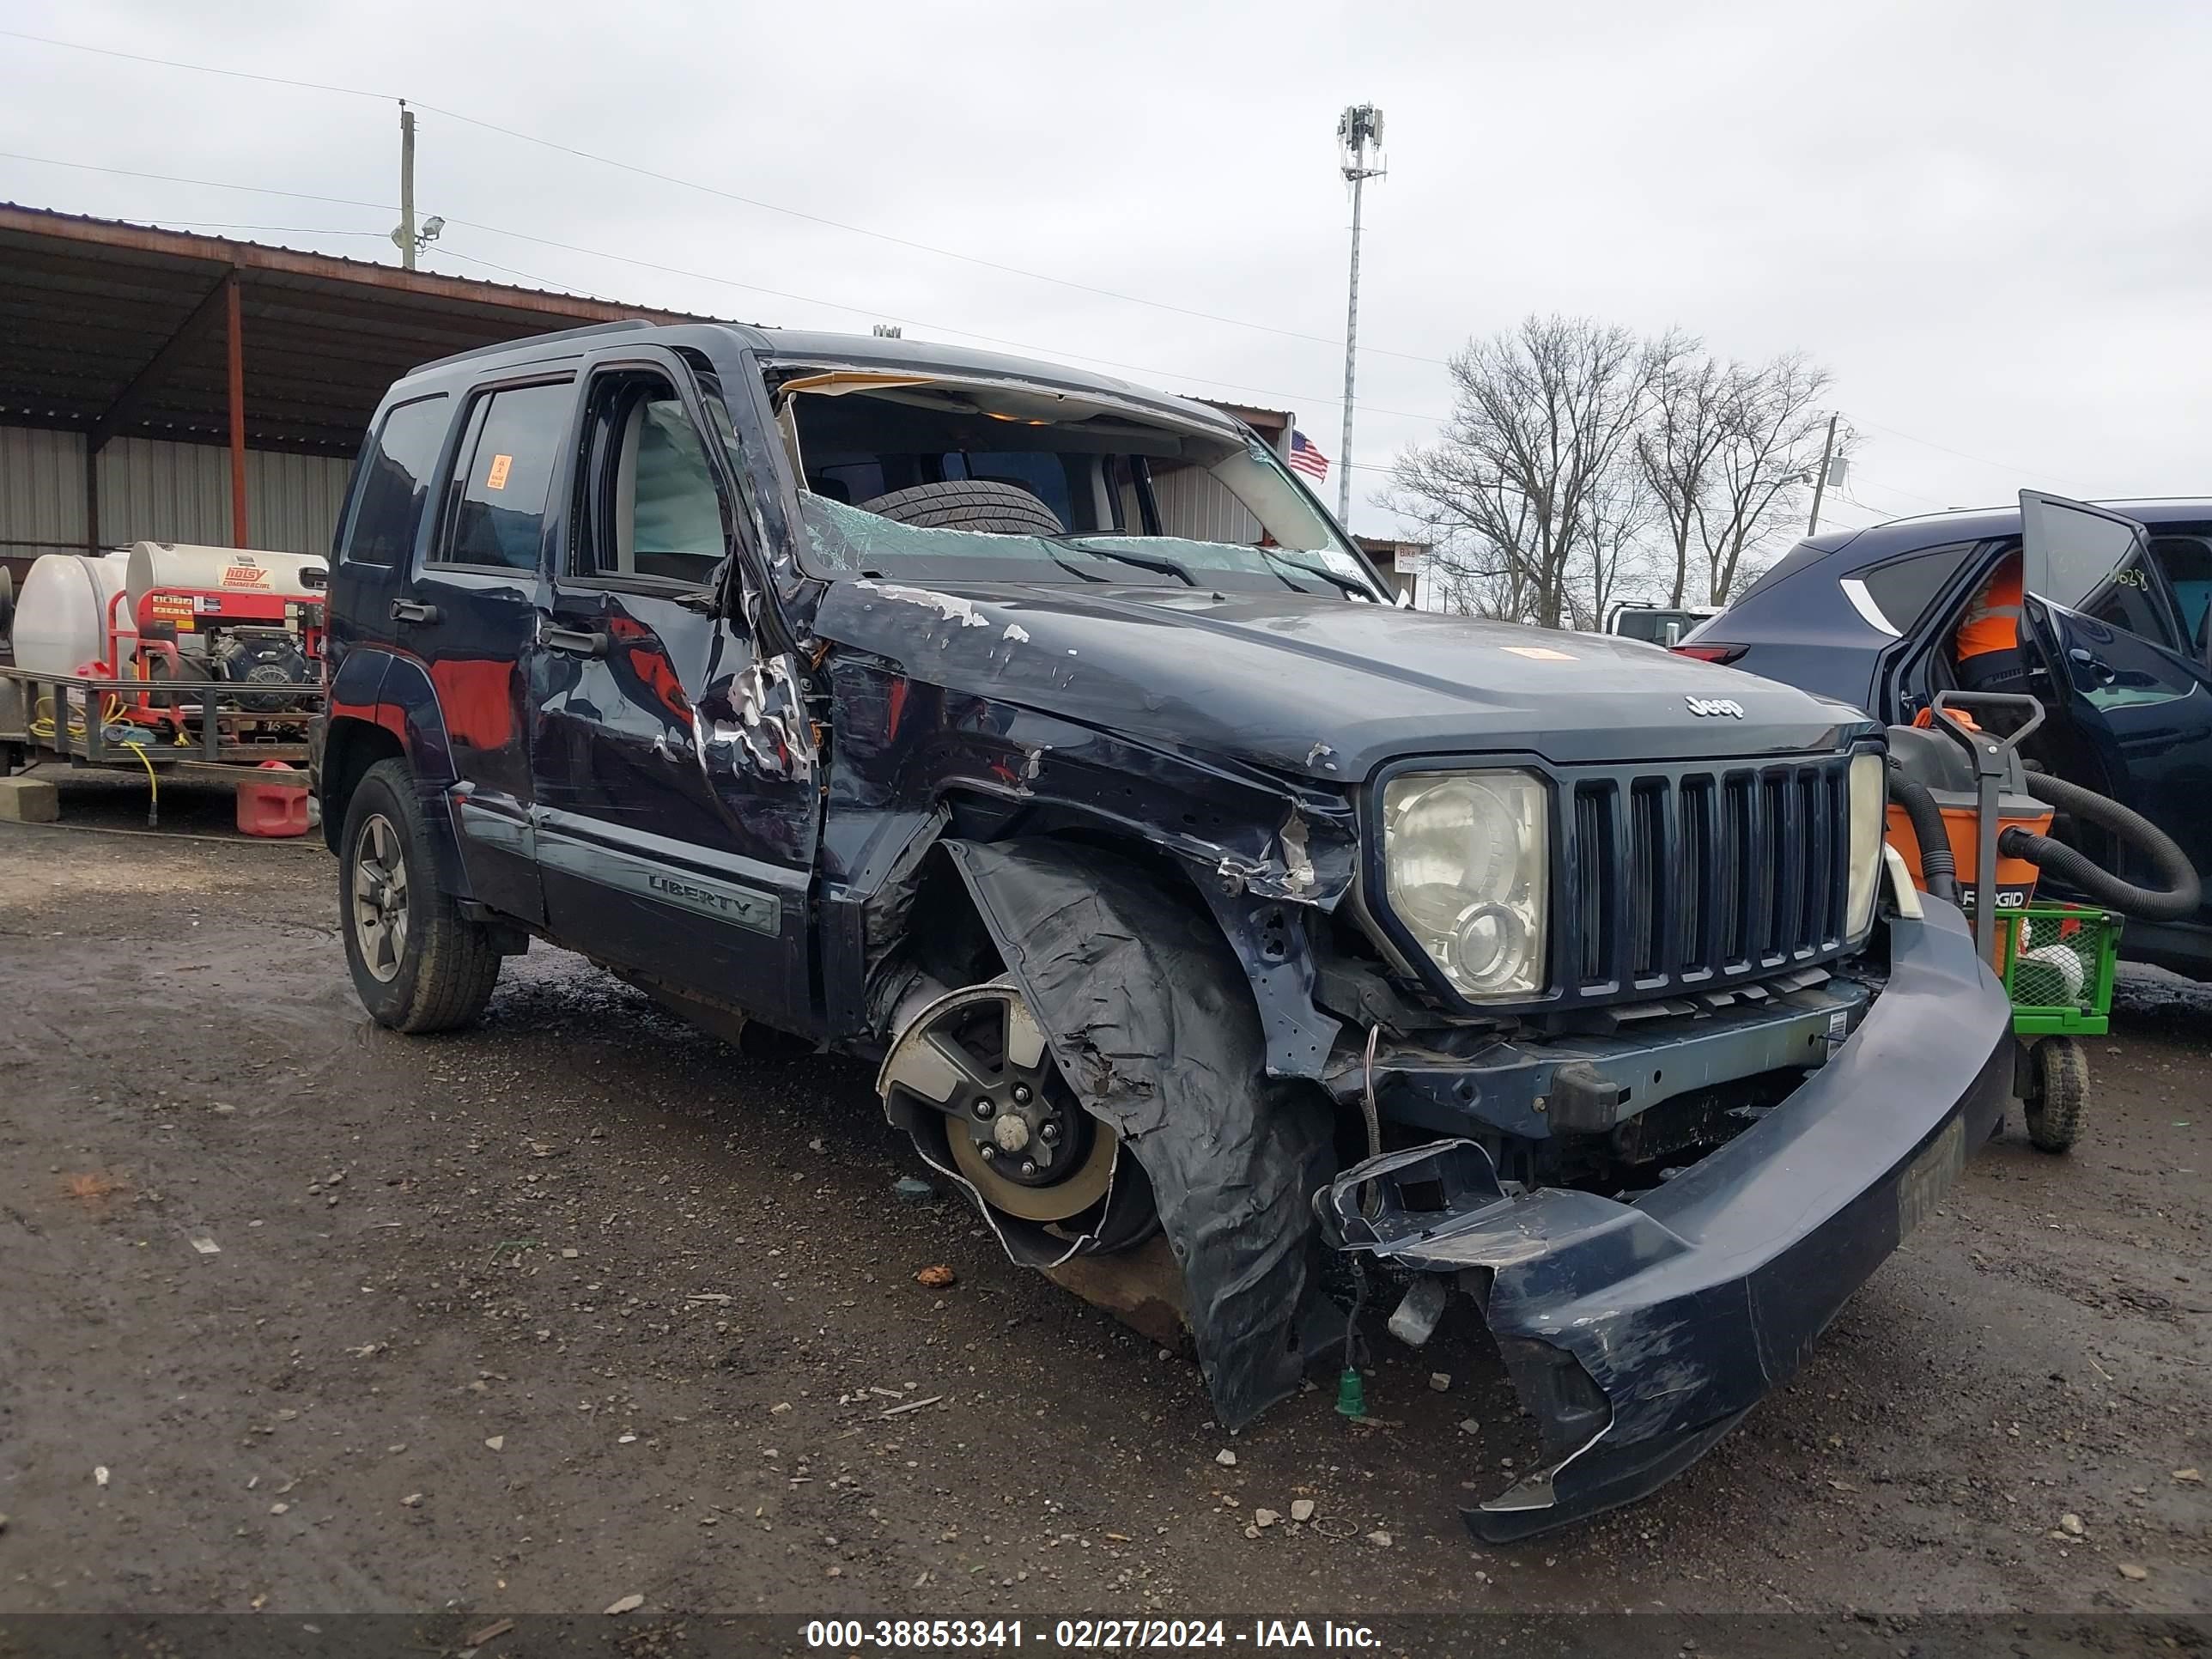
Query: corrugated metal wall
(153,491)
(1194,503)
(41,492)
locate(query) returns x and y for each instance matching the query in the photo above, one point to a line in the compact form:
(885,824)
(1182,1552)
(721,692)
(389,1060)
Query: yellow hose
(111,714)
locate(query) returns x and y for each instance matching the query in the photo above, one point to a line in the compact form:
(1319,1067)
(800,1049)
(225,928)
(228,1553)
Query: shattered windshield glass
(844,540)
(941,476)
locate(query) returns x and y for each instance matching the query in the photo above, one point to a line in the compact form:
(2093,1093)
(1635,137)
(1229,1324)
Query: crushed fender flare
(1151,1018)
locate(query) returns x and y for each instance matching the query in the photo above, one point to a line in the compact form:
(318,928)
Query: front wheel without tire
(418,964)
(2062,1094)
(973,1073)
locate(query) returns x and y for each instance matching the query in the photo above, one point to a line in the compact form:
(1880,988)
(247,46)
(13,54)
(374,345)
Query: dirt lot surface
(297,1314)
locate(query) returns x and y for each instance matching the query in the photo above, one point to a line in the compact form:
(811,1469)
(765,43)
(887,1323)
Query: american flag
(1307,457)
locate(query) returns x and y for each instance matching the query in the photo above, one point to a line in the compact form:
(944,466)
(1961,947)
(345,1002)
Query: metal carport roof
(112,329)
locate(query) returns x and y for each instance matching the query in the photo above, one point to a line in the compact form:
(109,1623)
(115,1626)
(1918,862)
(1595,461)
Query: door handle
(409,611)
(2104,672)
(575,642)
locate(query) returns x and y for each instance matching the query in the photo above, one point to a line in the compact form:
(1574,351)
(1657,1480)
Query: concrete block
(29,800)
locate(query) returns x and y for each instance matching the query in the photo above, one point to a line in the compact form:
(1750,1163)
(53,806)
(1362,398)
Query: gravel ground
(298,1314)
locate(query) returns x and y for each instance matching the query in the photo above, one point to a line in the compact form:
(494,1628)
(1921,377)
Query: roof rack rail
(522,342)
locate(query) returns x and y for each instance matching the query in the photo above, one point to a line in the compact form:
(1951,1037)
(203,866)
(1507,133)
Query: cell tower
(1358,130)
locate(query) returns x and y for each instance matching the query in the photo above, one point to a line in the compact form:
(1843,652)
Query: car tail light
(1720,654)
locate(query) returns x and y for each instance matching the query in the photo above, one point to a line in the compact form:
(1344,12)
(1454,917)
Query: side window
(501,474)
(650,506)
(2127,601)
(2184,553)
(394,478)
(1905,588)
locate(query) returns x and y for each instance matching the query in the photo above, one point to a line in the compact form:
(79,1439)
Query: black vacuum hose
(1939,870)
(2182,892)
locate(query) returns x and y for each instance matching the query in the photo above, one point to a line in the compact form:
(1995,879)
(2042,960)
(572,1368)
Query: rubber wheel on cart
(2062,1094)
(418,963)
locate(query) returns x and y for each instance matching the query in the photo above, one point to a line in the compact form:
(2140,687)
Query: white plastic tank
(219,570)
(60,615)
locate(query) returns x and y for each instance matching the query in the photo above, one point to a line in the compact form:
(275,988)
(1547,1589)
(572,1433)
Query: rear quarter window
(1906,588)
(393,481)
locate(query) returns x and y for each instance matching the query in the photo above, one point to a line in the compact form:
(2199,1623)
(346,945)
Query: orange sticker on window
(496,478)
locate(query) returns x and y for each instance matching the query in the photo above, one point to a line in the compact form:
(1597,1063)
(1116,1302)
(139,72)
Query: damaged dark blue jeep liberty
(1041,740)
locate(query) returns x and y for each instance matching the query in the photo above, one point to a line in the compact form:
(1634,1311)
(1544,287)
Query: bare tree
(1771,426)
(1621,512)
(1676,451)
(1581,463)
(1517,495)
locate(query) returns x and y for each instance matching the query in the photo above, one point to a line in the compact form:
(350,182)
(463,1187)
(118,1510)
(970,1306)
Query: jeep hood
(1323,687)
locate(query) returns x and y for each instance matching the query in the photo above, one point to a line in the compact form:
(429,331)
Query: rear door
(2134,702)
(472,613)
(676,799)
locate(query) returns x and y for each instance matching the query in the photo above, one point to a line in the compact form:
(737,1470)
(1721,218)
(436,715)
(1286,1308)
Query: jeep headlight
(1466,858)
(1870,806)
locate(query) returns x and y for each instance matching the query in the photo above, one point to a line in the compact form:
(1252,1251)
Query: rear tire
(418,964)
(2061,1104)
(968,504)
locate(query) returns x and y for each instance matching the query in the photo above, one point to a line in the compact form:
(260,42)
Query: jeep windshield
(911,477)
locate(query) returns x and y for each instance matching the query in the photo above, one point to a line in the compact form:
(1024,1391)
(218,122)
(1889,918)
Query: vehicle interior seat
(667,515)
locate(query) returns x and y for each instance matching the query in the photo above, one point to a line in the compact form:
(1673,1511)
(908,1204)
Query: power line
(879,314)
(444,252)
(203,184)
(2001,466)
(201,69)
(729,195)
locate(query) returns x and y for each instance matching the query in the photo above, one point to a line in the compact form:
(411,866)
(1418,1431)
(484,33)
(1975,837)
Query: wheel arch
(382,707)
(351,744)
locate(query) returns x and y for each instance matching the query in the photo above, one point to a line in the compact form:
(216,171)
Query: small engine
(270,659)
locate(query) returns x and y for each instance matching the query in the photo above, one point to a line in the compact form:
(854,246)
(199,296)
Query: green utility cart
(2059,962)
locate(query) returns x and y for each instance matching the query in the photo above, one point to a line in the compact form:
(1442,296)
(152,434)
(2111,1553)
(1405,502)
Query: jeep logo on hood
(1707,706)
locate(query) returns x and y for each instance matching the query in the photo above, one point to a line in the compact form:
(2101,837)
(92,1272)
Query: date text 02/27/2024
(1083,1635)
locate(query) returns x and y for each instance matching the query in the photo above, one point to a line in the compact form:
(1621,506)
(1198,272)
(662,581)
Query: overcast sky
(1990,221)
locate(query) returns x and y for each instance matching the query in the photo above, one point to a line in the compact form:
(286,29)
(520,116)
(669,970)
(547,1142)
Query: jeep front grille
(1696,876)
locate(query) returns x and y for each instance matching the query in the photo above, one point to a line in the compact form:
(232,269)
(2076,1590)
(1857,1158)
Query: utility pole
(1359,126)
(406,237)
(1821,481)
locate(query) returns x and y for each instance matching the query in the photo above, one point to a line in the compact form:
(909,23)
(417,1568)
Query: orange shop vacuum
(1962,803)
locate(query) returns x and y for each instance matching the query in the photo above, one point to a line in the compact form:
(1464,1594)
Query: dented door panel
(677,812)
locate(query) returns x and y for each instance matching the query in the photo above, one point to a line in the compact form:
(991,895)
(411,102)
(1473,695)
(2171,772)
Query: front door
(2132,702)
(673,772)
(472,614)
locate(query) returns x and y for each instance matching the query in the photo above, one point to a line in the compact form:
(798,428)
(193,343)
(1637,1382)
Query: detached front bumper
(1637,1333)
